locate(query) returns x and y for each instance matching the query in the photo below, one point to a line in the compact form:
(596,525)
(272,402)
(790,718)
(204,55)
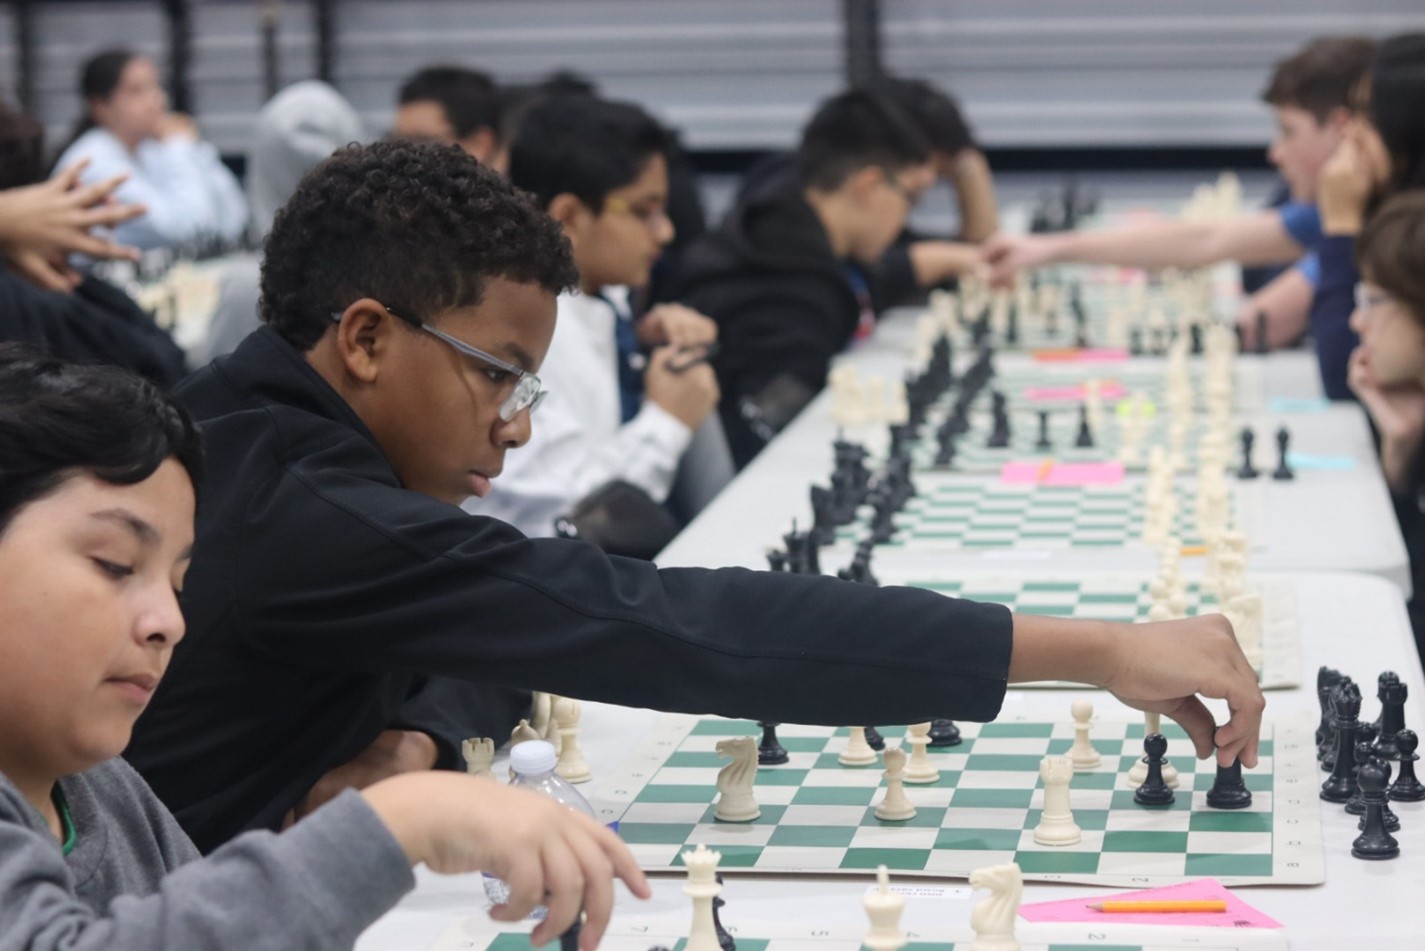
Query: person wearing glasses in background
(600,170)
(776,276)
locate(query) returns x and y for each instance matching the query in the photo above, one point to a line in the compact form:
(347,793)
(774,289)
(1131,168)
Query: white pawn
(479,753)
(1082,754)
(858,752)
(884,908)
(920,770)
(571,766)
(895,807)
(1056,822)
(521,733)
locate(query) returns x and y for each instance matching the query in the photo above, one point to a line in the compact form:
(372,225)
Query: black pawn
(1195,333)
(1043,442)
(1283,472)
(1084,439)
(724,939)
(1406,787)
(1248,471)
(1374,842)
(944,733)
(569,940)
(1261,333)
(1135,341)
(1154,792)
(874,739)
(770,751)
(1228,791)
(1356,805)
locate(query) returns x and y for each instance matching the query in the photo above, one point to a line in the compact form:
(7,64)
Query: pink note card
(1239,914)
(1059,394)
(1050,472)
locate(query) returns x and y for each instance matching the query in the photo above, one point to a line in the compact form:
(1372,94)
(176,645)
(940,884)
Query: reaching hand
(547,853)
(1007,254)
(676,326)
(1166,666)
(41,225)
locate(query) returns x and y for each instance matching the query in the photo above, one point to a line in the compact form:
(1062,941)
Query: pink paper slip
(1239,914)
(1072,355)
(1049,472)
(1053,394)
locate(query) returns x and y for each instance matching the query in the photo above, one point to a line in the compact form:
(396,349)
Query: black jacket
(321,588)
(781,299)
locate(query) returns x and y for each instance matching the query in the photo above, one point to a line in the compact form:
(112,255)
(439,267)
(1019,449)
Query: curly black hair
(414,225)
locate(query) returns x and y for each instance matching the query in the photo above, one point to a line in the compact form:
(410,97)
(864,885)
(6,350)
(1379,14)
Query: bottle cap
(533,757)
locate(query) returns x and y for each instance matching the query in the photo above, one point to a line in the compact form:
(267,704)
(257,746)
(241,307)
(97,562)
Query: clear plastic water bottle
(532,766)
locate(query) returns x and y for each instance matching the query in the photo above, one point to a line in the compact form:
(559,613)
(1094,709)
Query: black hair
(933,110)
(22,140)
(98,78)
(415,225)
(1397,106)
(854,130)
(58,419)
(567,82)
(584,146)
(1320,76)
(469,98)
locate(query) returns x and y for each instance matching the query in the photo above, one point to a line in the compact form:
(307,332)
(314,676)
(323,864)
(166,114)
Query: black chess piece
(776,559)
(1283,472)
(944,733)
(823,521)
(1084,438)
(1248,471)
(1228,790)
(569,940)
(874,739)
(1011,328)
(1339,786)
(1355,806)
(1135,341)
(1154,792)
(1195,334)
(1326,678)
(1392,694)
(1374,842)
(1407,788)
(1261,341)
(945,451)
(1043,443)
(770,751)
(1328,753)
(724,940)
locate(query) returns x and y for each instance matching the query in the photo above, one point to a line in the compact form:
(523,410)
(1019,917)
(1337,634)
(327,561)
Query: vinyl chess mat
(818,816)
(954,514)
(1125,597)
(639,933)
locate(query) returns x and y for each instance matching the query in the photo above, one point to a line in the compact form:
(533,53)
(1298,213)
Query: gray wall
(746,73)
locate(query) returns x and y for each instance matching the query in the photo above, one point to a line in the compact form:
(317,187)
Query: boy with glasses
(333,566)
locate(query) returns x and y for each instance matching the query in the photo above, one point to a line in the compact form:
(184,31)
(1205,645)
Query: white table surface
(1353,622)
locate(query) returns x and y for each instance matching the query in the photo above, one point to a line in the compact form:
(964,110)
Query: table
(1337,610)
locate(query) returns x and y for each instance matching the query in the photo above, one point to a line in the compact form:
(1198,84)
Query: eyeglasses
(1367,301)
(911,196)
(650,217)
(527,392)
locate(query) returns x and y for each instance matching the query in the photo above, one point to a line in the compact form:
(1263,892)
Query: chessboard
(634,932)
(817,817)
(952,513)
(1124,597)
(1047,384)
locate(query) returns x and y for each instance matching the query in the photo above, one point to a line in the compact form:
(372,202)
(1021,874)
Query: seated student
(774,275)
(599,169)
(97,488)
(1309,94)
(189,196)
(915,262)
(453,105)
(334,564)
(1387,371)
(1383,155)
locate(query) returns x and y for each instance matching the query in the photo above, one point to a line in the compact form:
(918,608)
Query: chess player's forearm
(975,189)
(1049,648)
(1257,238)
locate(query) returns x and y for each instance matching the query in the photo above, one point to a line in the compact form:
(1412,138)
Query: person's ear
(571,213)
(364,339)
(861,185)
(482,144)
(1338,120)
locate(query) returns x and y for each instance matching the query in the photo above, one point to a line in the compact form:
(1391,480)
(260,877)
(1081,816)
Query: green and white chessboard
(1124,597)
(954,513)
(639,933)
(818,818)
(1017,380)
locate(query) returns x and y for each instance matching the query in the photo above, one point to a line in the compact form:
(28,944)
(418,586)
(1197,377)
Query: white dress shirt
(579,441)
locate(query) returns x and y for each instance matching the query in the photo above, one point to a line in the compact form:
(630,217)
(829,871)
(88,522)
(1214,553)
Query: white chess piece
(920,770)
(858,752)
(542,713)
(1056,823)
(884,908)
(735,801)
(993,918)
(895,807)
(702,887)
(479,753)
(522,732)
(1082,754)
(571,766)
